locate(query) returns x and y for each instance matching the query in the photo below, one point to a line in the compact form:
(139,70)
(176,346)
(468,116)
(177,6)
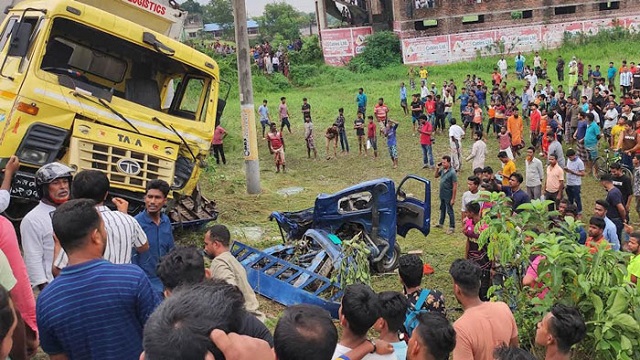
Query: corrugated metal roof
(251,24)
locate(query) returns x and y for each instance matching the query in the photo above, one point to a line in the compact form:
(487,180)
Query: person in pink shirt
(425,130)
(216,144)
(21,294)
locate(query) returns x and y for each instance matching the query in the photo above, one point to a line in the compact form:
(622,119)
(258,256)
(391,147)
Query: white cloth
(36,232)
(611,118)
(576,166)
(478,154)
(341,350)
(625,78)
(424,92)
(534,172)
(5,199)
(456,132)
(123,234)
(468,197)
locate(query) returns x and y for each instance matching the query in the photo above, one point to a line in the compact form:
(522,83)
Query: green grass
(335,88)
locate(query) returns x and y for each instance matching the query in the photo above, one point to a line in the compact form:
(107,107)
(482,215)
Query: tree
(219,12)
(281,19)
(193,7)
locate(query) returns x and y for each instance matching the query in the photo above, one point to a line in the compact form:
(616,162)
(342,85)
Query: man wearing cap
(52,182)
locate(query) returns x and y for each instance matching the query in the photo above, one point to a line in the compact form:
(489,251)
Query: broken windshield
(108,66)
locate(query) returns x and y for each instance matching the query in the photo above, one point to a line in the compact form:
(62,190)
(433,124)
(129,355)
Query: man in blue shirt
(157,226)
(591,137)
(518,197)
(361,100)
(520,66)
(611,74)
(265,119)
(94,309)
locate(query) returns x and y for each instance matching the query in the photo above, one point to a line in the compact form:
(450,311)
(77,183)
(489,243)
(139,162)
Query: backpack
(414,310)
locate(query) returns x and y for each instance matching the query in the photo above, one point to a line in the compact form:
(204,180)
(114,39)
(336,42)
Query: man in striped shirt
(94,309)
(123,231)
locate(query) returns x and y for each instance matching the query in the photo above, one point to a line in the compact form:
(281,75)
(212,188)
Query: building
(442,31)
(193,26)
(215,30)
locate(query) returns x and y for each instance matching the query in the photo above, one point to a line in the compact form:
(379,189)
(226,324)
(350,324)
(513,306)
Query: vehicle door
(413,198)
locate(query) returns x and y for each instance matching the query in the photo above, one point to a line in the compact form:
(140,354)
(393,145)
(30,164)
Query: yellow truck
(103,84)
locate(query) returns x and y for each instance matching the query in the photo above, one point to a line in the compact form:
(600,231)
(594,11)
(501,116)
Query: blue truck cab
(376,209)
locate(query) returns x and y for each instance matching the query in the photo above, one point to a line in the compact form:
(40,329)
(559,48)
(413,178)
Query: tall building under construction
(442,31)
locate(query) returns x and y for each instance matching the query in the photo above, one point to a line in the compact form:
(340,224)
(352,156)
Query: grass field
(337,88)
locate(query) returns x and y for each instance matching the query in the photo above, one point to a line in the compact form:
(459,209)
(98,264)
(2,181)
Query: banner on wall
(340,45)
(456,47)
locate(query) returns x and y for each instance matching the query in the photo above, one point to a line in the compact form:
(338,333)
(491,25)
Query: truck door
(16,37)
(413,198)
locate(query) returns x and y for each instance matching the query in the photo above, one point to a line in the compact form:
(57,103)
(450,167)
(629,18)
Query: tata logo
(129,166)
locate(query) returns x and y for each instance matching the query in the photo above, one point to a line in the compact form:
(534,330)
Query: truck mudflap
(272,275)
(192,211)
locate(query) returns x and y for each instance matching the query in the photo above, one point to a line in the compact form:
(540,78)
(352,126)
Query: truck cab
(84,85)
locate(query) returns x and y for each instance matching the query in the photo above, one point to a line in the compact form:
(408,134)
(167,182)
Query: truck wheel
(388,264)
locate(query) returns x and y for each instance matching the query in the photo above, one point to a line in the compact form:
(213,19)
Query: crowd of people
(112,286)
(270,59)
(107,285)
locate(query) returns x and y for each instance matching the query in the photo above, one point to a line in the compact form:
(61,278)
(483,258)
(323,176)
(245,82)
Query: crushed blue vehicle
(301,268)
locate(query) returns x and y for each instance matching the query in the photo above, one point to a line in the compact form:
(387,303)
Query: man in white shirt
(123,231)
(502,66)
(455,142)
(532,78)
(534,174)
(360,309)
(36,231)
(473,183)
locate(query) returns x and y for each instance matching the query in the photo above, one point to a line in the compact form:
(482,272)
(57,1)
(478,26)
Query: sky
(256,7)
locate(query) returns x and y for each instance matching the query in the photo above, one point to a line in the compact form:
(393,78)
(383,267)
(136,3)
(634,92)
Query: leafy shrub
(310,53)
(382,49)
(593,283)
(305,74)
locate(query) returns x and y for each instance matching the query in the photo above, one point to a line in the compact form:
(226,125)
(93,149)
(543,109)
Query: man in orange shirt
(484,325)
(515,127)
(596,237)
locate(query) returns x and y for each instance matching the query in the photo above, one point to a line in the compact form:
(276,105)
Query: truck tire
(388,264)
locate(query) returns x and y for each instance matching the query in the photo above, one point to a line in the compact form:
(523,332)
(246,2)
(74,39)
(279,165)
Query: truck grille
(106,158)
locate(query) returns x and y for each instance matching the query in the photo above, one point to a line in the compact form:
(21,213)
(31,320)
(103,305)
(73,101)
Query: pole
(247,109)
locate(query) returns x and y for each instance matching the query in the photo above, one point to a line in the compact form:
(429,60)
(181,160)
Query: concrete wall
(497,14)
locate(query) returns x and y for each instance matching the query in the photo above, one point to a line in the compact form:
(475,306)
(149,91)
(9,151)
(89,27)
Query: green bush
(304,74)
(382,49)
(593,283)
(311,53)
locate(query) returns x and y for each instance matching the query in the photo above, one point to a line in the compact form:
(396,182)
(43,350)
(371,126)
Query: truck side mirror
(20,34)
(220,109)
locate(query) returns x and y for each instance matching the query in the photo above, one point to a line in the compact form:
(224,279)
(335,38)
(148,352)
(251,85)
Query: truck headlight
(33,156)
(41,144)
(182,174)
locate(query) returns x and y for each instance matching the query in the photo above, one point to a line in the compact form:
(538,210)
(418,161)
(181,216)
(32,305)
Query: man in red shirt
(371,136)
(430,107)
(425,130)
(535,117)
(381,110)
(276,147)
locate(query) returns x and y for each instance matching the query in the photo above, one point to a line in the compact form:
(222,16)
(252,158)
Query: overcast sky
(256,7)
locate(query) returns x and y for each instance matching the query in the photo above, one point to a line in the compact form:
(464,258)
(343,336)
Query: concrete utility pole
(247,110)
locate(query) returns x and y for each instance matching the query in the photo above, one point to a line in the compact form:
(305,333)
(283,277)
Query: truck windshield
(107,66)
